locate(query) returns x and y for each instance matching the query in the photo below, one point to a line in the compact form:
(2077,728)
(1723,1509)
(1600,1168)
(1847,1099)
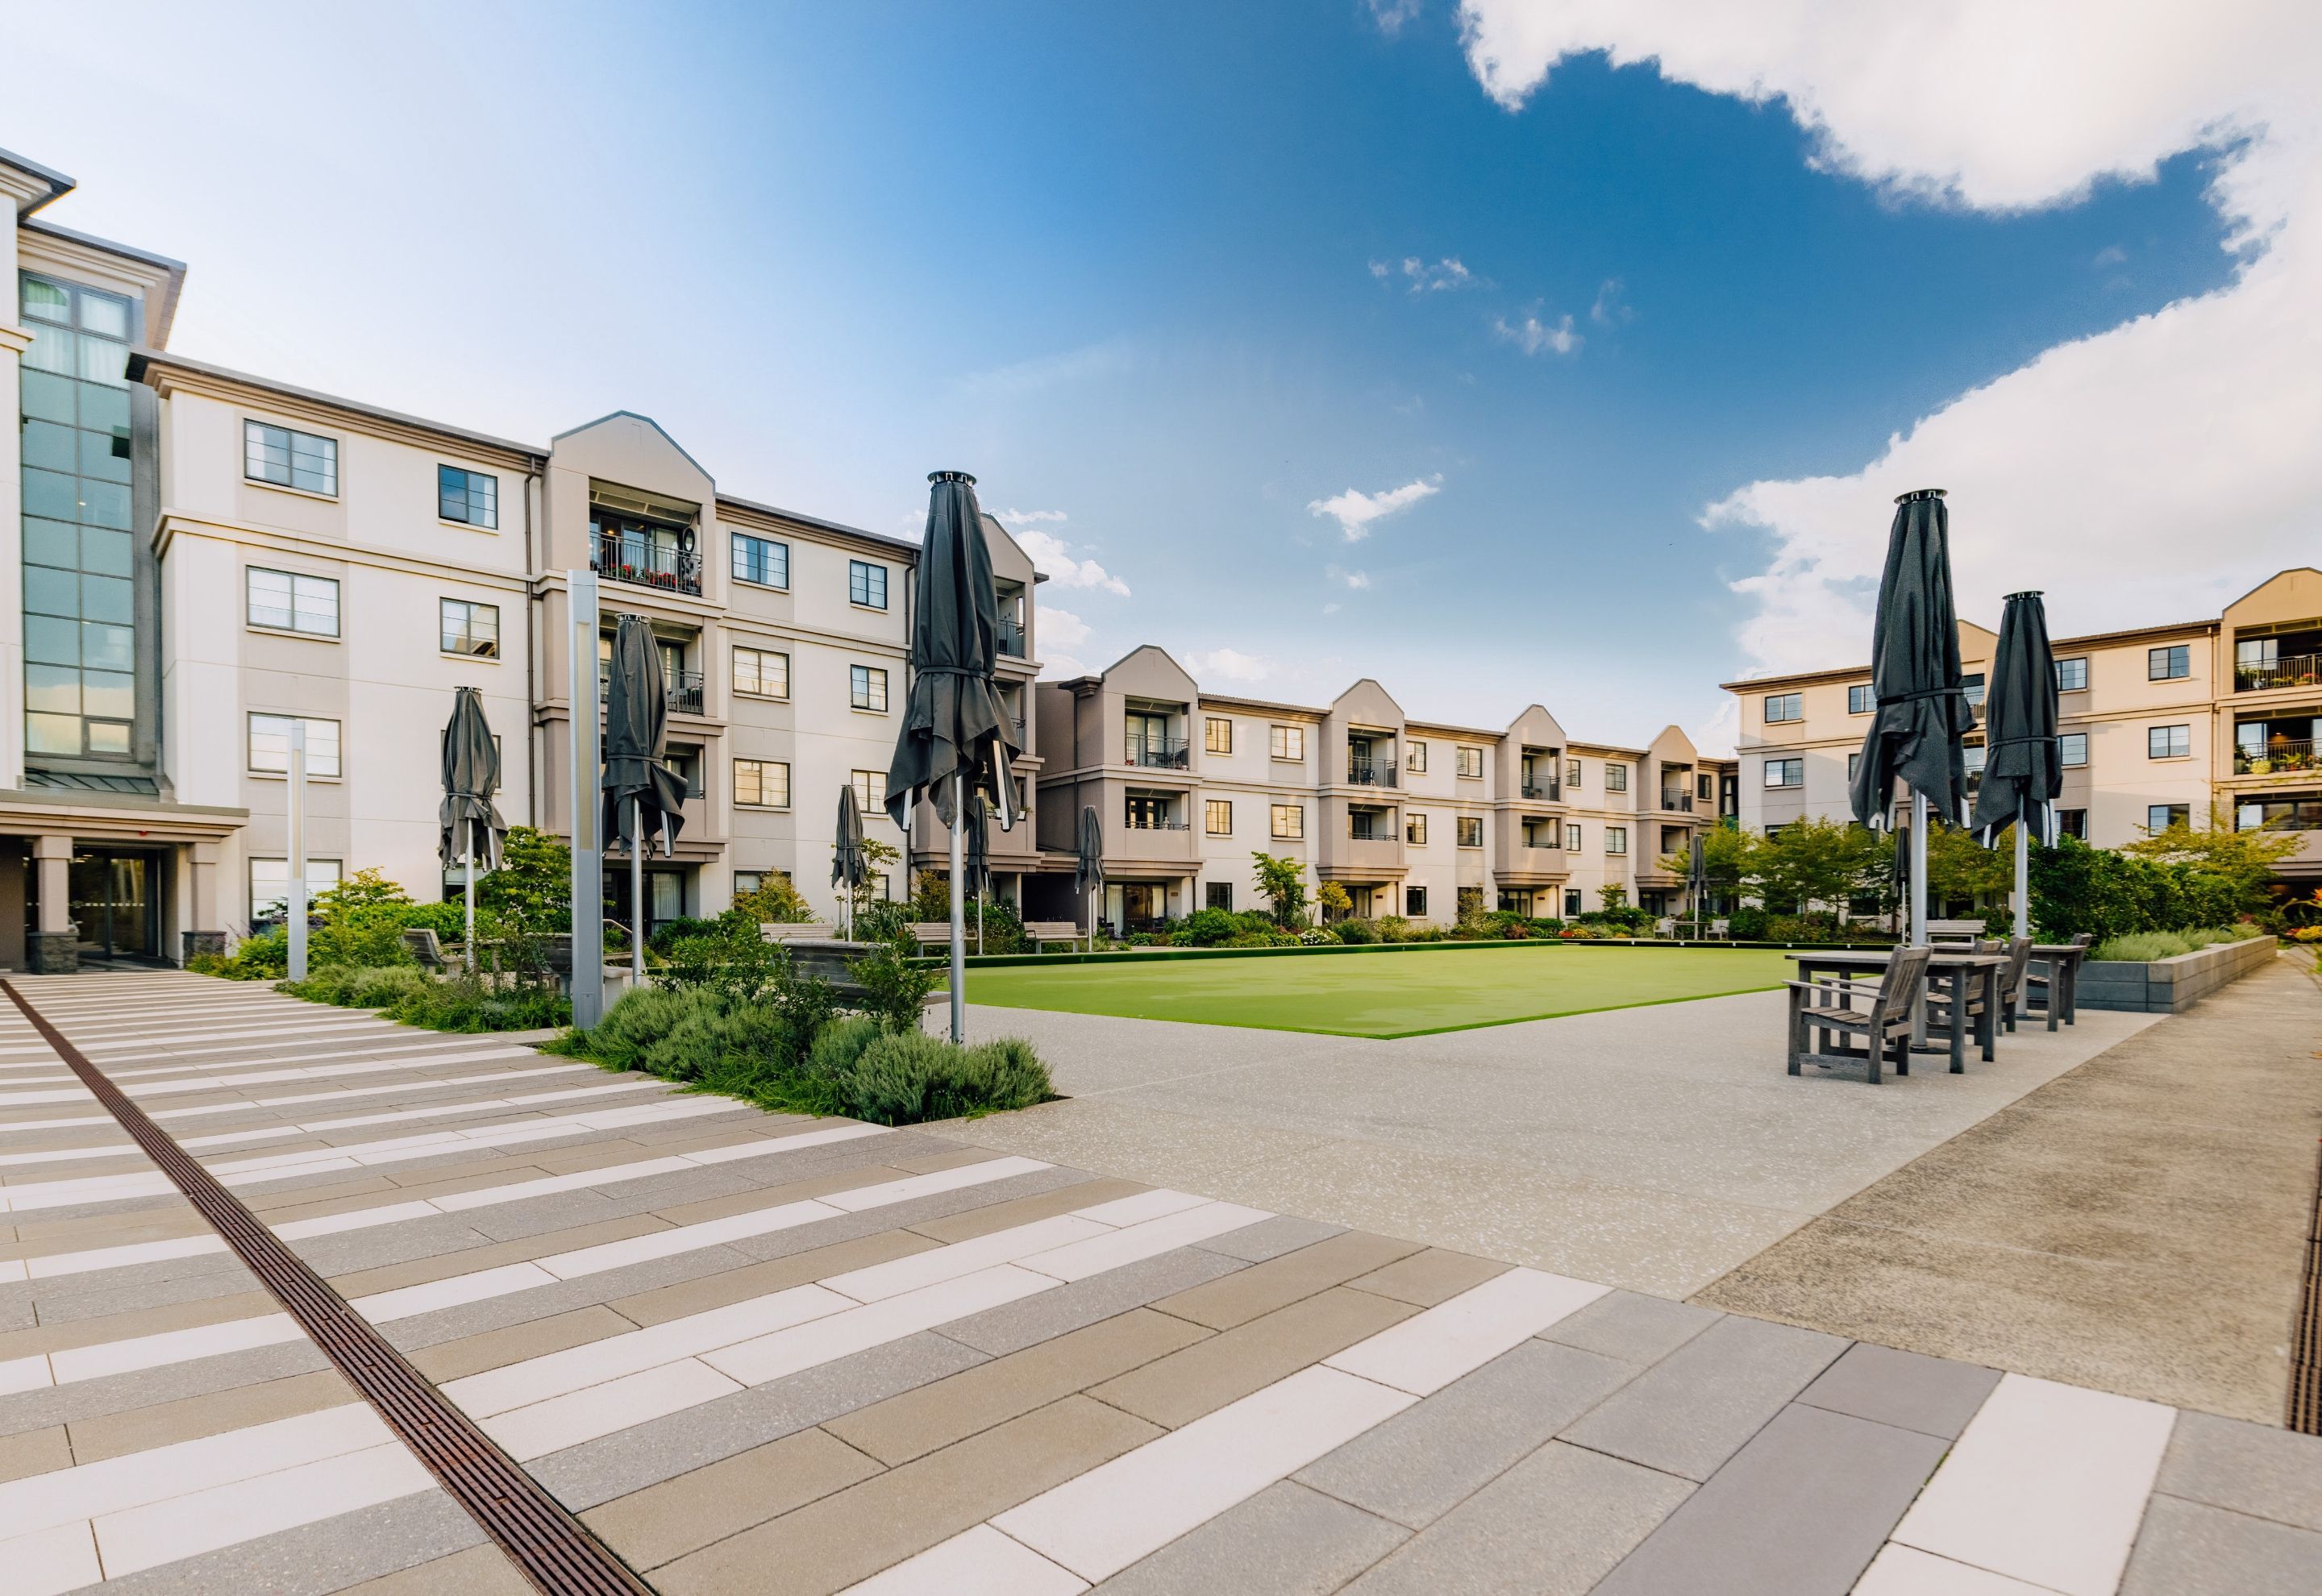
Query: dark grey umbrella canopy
(1088,870)
(848,868)
(975,867)
(643,795)
(1922,711)
(2022,769)
(955,721)
(472,775)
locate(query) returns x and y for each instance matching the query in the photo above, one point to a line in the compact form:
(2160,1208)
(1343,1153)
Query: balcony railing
(684,688)
(1167,753)
(1011,639)
(2291,671)
(1545,791)
(2283,753)
(1154,823)
(647,565)
(1371,773)
(1679,802)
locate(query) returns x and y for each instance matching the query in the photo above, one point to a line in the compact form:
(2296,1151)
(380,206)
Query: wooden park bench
(419,942)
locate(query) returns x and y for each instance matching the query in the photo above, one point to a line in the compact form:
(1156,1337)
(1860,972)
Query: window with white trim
(287,459)
(270,745)
(292,601)
(762,783)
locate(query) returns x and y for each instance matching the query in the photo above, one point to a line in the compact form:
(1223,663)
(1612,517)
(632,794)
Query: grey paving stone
(1552,1526)
(75,1297)
(1799,1511)
(1694,1410)
(596,1472)
(1426,1460)
(496,1313)
(316,1558)
(1909,1390)
(1019,1325)
(117,1393)
(1270,1238)
(351,1250)
(1632,1326)
(1284,1541)
(2250,1468)
(562,1211)
(902,1216)
(2186,1548)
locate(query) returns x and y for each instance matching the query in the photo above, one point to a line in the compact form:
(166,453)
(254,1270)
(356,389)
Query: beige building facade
(2182,721)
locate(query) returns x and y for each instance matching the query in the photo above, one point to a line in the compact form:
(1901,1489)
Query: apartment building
(1411,817)
(2158,724)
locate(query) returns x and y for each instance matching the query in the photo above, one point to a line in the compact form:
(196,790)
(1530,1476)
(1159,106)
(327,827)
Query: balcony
(1546,792)
(1162,753)
(1137,822)
(1011,640)
(2290,670)
(645,564)
(2279,755)
(1677,802)
(1371,773)
(684,688)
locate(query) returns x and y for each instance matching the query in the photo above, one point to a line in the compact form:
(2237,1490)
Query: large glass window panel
(46,301)
(105,551)
(48,444)
(52,733)
(51,592)
(105,313)
(270,598)
(103,362)
(270,745)
(51,494)
(54,641)
(106,455)
(107,648)
(48,396)
(103,409)
(104,504)
(51,542)
(108,737)
(106,692)
(52,350)
(107,599)
(52,689)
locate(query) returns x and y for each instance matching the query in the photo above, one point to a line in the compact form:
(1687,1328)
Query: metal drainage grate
(551,1548)
(2305,1414)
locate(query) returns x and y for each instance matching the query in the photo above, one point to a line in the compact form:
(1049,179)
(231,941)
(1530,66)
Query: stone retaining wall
(2171,986)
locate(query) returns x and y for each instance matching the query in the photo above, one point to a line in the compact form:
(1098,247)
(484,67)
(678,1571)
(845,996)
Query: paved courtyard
(755,1353)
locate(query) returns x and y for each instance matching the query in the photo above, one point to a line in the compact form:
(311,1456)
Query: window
(289,460)
(866,687)
(762,783)
(471,628)
(1572,840)
(1782,706)
(2168,664)
(1861,699)
(1853,765)
(2169,741)
(2072,674)
(1704,787)
(1973,690)
(762,673)
(289,602)
(1286,742)
(1414,759)
(1676,842)
(1571,902)
(1572,772)
(1617,777)
(1415,902)
(2073,750)
(2073,823)
(1785,773)
(470,497)
(1217,734)
(685,764)
(746,881)
(269,887)
(870,790)
(1616,839)
(1469,761)
(1414,830)
(270,746)
(1220,896)
(866,584)
(767,564)
(2161,816)
(1289,820)
(1469,831)
(1217,817)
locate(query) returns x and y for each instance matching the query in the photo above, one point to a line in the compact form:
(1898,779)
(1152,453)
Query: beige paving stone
(135,1321)
(480,1571)
(34,1452)
(392,1277)
(1205,1376)
(36,1237)
(649,1527)
(140,1429)
(309,1202)
(446,1180)
(768,1197)
(1262,1288)
(778,1274)
(830,1544)
(490,1349)
(1425,1278)
(1023,1211)
(951,1158)
(918,1422)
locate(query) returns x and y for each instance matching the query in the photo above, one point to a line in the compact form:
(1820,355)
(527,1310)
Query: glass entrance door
(114,904)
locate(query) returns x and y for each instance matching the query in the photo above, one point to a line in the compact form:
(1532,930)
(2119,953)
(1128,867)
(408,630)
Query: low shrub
(909,1077)
(1747,924)
(411,997)
(1207,929)
(642,1018)
(1356,933)
(2136,947)
(679,926)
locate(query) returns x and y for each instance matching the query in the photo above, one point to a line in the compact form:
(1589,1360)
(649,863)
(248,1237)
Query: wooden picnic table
(1959,968)
(2063,960)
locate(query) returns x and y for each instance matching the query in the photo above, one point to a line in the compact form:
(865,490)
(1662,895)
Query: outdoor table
(1957,967)
(2063,961)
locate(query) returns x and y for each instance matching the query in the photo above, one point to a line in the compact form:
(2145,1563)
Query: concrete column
(204,934)
(54,947)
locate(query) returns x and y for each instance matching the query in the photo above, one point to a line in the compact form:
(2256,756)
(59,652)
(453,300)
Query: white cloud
(1031,517)
(1230,664)
(1355,581)
(1534,336)
(2110,255)
(1063,667)
(1061,627)
(2146,473)
(1389,15)
(1421,278)
(1354,510)
(1052,557)
(1332,608)
(1611,307)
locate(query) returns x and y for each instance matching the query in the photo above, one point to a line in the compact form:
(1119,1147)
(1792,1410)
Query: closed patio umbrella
(848,869)
(977,860)
(472,775)
(1922,709)
(2023,772)
(1088,868)
(643,797)
(956,737)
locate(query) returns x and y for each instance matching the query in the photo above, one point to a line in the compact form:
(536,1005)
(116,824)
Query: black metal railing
(1680,802)
(1545,791)
(1154,823)
(1160,752)
(2278,754)
(1371,773)
(2290,670)
(645,564)
(1011,639)
(684,688)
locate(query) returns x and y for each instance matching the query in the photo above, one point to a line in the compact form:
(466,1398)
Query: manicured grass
(1386,995)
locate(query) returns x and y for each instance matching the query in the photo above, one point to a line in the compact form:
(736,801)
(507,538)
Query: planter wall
(2171,986)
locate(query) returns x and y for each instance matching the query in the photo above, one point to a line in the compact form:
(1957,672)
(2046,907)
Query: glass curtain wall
(80,637)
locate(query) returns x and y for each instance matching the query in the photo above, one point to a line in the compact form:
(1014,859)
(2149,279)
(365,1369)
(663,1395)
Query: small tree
(2245,860)
(1960,868)
(1612,897)
(876,856)
(1282,883)
(1333,900)
(773,901)
(532,891)
(1806,862)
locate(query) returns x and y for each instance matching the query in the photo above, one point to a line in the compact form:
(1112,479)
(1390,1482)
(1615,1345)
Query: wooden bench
(419,942)
(797,930)
(1969,931)
(1042,932)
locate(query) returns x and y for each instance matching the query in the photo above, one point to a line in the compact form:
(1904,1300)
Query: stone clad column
(201,938)
(53,948)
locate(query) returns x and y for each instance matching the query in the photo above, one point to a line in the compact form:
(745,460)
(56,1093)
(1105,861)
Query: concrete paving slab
(1284,1541)
(1933,1396)
(2248,1468)
(2186,1548)
(1630,1326)
(1695,1408)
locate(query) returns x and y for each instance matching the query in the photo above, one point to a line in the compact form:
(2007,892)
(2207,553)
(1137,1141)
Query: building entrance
(116,905)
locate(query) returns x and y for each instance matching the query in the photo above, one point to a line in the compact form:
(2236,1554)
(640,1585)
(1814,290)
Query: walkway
(753,1352)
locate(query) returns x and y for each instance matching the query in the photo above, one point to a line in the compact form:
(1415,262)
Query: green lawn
(1386,994)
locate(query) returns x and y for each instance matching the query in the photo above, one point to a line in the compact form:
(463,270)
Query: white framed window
(269,887)
(1785,707)
(2161,816)
(746,881)
(1860,698)
(866,584)
(2073,750)
(1290,820)
(1617,777)
(1467,830)
(2169,741)
(1572,838)
(2072,674)
(762,783)
(270,745)
(1217,817)
(292,601)
(762,673)
(1286,742)
(469,497)
(1468,763)
(1572,773)
(2171,664)
(866,687)
(1785,773)
(287,459)
(1414,758)
(472,628)
(1616,839)
(1217,734)
(870,790)
(1414,830)
(762,563)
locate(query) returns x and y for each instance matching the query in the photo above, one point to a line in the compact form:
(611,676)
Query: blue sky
(1142,269)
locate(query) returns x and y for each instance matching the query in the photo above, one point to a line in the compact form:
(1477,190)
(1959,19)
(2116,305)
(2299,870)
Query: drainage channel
(552,1548)
(2305,1414)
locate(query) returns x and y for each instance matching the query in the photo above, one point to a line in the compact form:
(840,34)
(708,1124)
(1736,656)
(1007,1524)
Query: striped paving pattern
(755,1351)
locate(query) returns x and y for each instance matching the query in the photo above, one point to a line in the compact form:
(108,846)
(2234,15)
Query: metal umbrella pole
(468,939)
(636,895)
(958,911)
(588,977)
(295,914)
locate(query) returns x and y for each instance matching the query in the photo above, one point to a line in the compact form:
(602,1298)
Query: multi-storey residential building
(2158,724)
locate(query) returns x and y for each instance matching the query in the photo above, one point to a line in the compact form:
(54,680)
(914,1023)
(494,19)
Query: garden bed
(2171,986)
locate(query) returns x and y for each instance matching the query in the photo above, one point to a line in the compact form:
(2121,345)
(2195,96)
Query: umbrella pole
(469,942)
(636,895)
(1918,870)
(2023,879)
(958,913)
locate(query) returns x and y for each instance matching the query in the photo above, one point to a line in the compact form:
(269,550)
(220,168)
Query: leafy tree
(773,901)
(1809,863)
(365,888)
(877,857)
(1282,883)
(1612,897)
(1334,901)
(1960,869)
(2243,861)
(532,891)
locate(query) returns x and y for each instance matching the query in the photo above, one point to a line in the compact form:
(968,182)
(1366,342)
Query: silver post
(958,913)
(588,856)
(1918,870)
(470,941)
(295,911)
(636,893)
(2023,879)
